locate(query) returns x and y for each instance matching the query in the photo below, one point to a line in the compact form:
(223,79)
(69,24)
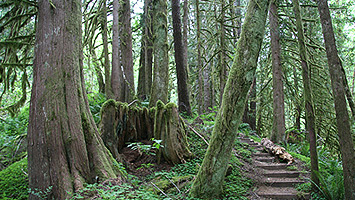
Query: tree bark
(103,22)
(116,72)
(278,130)
(125,32)
(308,98)
(209,180)
(183,93)
(342,115)
(199,60)
(160,83)
(64,147)
(222,65)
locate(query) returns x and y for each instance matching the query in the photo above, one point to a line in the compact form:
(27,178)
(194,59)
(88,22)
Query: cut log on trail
(276,150)
(122,123)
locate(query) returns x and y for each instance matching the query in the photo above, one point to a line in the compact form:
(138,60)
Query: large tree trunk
(209,180)
(116,73)
(183,93)
(64,147)
(125,32)
(308,98)
(278,130)
(161,58)
(337,79)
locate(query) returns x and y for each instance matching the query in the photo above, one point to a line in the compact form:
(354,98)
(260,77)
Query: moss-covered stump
(171,129)
(121,124)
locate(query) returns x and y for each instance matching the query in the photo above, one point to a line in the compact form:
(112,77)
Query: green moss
(14,181)
(108,103)
(160,105)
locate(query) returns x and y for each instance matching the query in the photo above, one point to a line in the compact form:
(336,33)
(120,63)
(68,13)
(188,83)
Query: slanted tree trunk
(183,93)
(64,147)
(161,58)
(116,72)
(209,180)
(278,130)
(125,32)
(308,98)
(337,79)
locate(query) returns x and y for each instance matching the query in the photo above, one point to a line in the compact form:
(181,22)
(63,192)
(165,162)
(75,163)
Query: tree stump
(121,124)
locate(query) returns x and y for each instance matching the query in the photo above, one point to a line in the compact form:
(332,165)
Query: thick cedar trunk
(116,73)
(125,32)
(308,98)
(278,130)
(103,21)
(183,93)
(337,79)
(199,60)
(184,36)
(209,180)
(64,147)
(141,88)
(161,58)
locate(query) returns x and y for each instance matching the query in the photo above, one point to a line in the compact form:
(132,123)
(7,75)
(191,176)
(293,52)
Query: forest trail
(274,180)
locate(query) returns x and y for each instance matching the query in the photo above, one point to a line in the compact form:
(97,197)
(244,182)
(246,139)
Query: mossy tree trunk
(342,115)
(161,58)
(103,22)
(209,180)
(64,147)
(308,96)
(278,128)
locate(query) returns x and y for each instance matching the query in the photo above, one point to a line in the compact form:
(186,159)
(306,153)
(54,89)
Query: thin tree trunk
(160,83)
(337,79)
(183,93)
(297,99)
(126,50)
(209,180)
(308,98)
(278,130)
(116,73)
(207,89)
(222,65)
(252,108)
(64,147)
(199,59)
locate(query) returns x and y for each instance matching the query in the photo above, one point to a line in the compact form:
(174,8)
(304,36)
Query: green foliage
(13,132)
(149,149)
(96,100)
(14,181)
(109,191)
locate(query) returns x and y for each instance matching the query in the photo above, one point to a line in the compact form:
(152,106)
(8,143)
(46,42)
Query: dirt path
(274,180)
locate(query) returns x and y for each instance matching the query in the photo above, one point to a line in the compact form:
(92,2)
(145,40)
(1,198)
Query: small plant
(146,166)
(41,194)
(149,149)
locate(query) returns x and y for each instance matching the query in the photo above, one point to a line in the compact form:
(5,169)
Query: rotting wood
(276,150)
(122,123)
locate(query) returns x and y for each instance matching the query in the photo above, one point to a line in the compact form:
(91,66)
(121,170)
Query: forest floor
(268,177)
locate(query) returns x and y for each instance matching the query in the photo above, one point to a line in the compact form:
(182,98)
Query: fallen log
(276,150)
